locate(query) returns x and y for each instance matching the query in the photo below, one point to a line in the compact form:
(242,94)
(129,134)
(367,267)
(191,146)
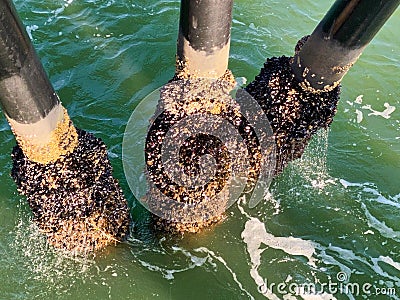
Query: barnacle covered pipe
(299,94)
(193,185)
(64,172)
(202,55)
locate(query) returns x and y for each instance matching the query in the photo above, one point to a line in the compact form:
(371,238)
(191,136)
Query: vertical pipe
(204,37)
(338,41)
(27,97)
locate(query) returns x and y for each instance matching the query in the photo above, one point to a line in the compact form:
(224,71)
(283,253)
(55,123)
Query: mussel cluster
(293,113)
(75,200)
(198,103)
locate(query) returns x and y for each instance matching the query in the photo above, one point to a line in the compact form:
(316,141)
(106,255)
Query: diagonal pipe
(338,41)
(300,94)
(63,171)
(26,94)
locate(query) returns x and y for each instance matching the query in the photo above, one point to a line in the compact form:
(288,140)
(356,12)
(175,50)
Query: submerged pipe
(338,41)
(64,172)
(204,37)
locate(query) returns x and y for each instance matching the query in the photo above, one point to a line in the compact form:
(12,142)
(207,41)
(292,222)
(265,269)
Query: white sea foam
(212,254)
(169,273)
(386,113)
(359,99)
(389,109)
(255,234)
(350,257)
(390,261)
(29,30)
(359,116)
(380,198)
(346,184)
(369,193)
(380,226)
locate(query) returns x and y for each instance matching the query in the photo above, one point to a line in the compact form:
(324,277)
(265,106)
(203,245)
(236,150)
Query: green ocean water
(332,218)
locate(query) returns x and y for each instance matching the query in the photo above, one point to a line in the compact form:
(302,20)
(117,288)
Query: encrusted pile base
(205,104)
(294,114)
(75,200)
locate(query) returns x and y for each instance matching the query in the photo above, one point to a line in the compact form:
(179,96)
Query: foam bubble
(390,261)
(359,116)
(389,109)
(380,226)
(359,99)
(256,234)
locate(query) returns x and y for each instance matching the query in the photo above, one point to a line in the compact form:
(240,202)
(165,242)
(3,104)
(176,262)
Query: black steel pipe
(338,41)
(204,36)
(26,93)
